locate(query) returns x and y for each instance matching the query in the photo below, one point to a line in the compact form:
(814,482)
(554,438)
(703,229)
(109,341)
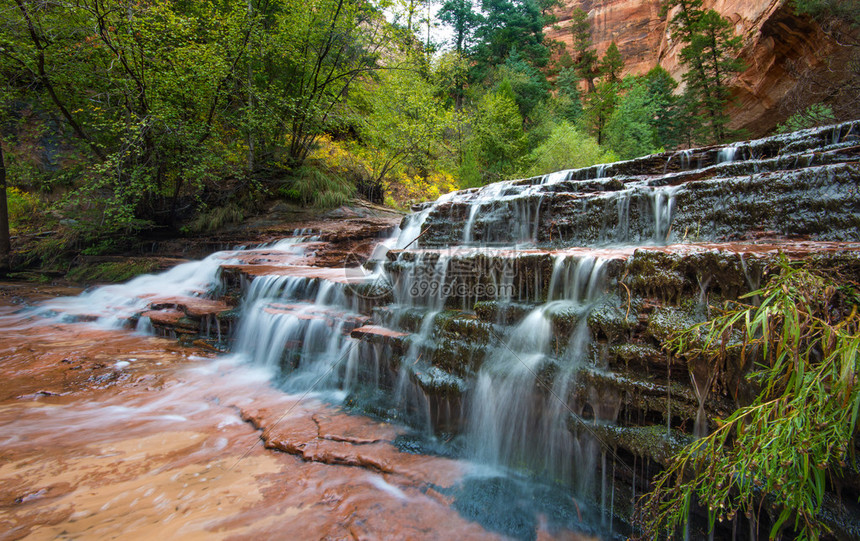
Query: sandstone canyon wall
(777,43)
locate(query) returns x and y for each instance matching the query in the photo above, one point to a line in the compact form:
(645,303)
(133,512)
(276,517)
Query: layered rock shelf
(540,308)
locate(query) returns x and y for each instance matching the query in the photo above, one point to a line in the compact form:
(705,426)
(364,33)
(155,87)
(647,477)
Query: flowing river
(494,367)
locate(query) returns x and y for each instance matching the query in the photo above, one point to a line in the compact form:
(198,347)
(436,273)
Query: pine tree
(714,47)
(529,84)
(666,106)
(600,104)
(612,64)
(568,97)
(585,58)
(710,53)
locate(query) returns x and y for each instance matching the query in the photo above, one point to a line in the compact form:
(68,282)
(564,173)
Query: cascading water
(664,208)
(506,363)
(111,306)
(728,153)
(429,291)
(295,325)
(413,224)
(518,409)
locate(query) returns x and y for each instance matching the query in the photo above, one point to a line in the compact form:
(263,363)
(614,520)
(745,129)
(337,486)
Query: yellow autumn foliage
(22,206)
(406,189)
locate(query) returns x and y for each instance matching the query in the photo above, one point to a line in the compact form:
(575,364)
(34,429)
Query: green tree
(568,98)
(509,25)
(498,140)
(461,17)
(824,10)
(584,57)
(312,52)
(645,118)
(630,130)
(400,119)
(529,85)
(665,106)
(611,64)
(451,71)
(598,108)
(155,75)
(600,104)
(566,148)
(411,9)
(715,48)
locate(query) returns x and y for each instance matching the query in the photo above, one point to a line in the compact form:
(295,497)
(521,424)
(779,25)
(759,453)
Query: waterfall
(487,327)
(727,154)
(295,325)
(517,414)
(470,223)
(412,228)
(556,177)
(111,306)
(414,223)
(664,208)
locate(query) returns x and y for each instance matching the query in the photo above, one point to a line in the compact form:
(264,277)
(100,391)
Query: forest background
(122,119)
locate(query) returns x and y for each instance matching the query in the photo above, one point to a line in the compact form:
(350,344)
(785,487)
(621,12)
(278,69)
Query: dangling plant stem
(781,449)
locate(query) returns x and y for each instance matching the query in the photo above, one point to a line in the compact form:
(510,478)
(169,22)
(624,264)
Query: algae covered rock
(612,321)
(433,380)
(656,274)
(502,313)
(667,320)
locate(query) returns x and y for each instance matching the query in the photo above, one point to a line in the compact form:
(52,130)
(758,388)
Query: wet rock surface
(797,185)
(110,434)
(521,328)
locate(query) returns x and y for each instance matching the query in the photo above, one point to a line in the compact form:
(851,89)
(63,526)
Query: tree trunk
(251,150)
(5,242)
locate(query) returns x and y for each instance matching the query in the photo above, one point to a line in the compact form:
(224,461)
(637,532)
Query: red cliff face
(776,43)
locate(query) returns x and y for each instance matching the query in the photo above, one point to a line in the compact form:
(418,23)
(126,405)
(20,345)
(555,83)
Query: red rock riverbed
(107,434)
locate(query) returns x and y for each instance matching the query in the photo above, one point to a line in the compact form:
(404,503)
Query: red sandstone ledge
(167,318)
(792,248)
(192,306)
(332,274)
(376,330)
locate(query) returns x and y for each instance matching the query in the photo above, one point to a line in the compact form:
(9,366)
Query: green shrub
(114,271)
(319,188)
(216,218)
(815,115)
(566,148)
